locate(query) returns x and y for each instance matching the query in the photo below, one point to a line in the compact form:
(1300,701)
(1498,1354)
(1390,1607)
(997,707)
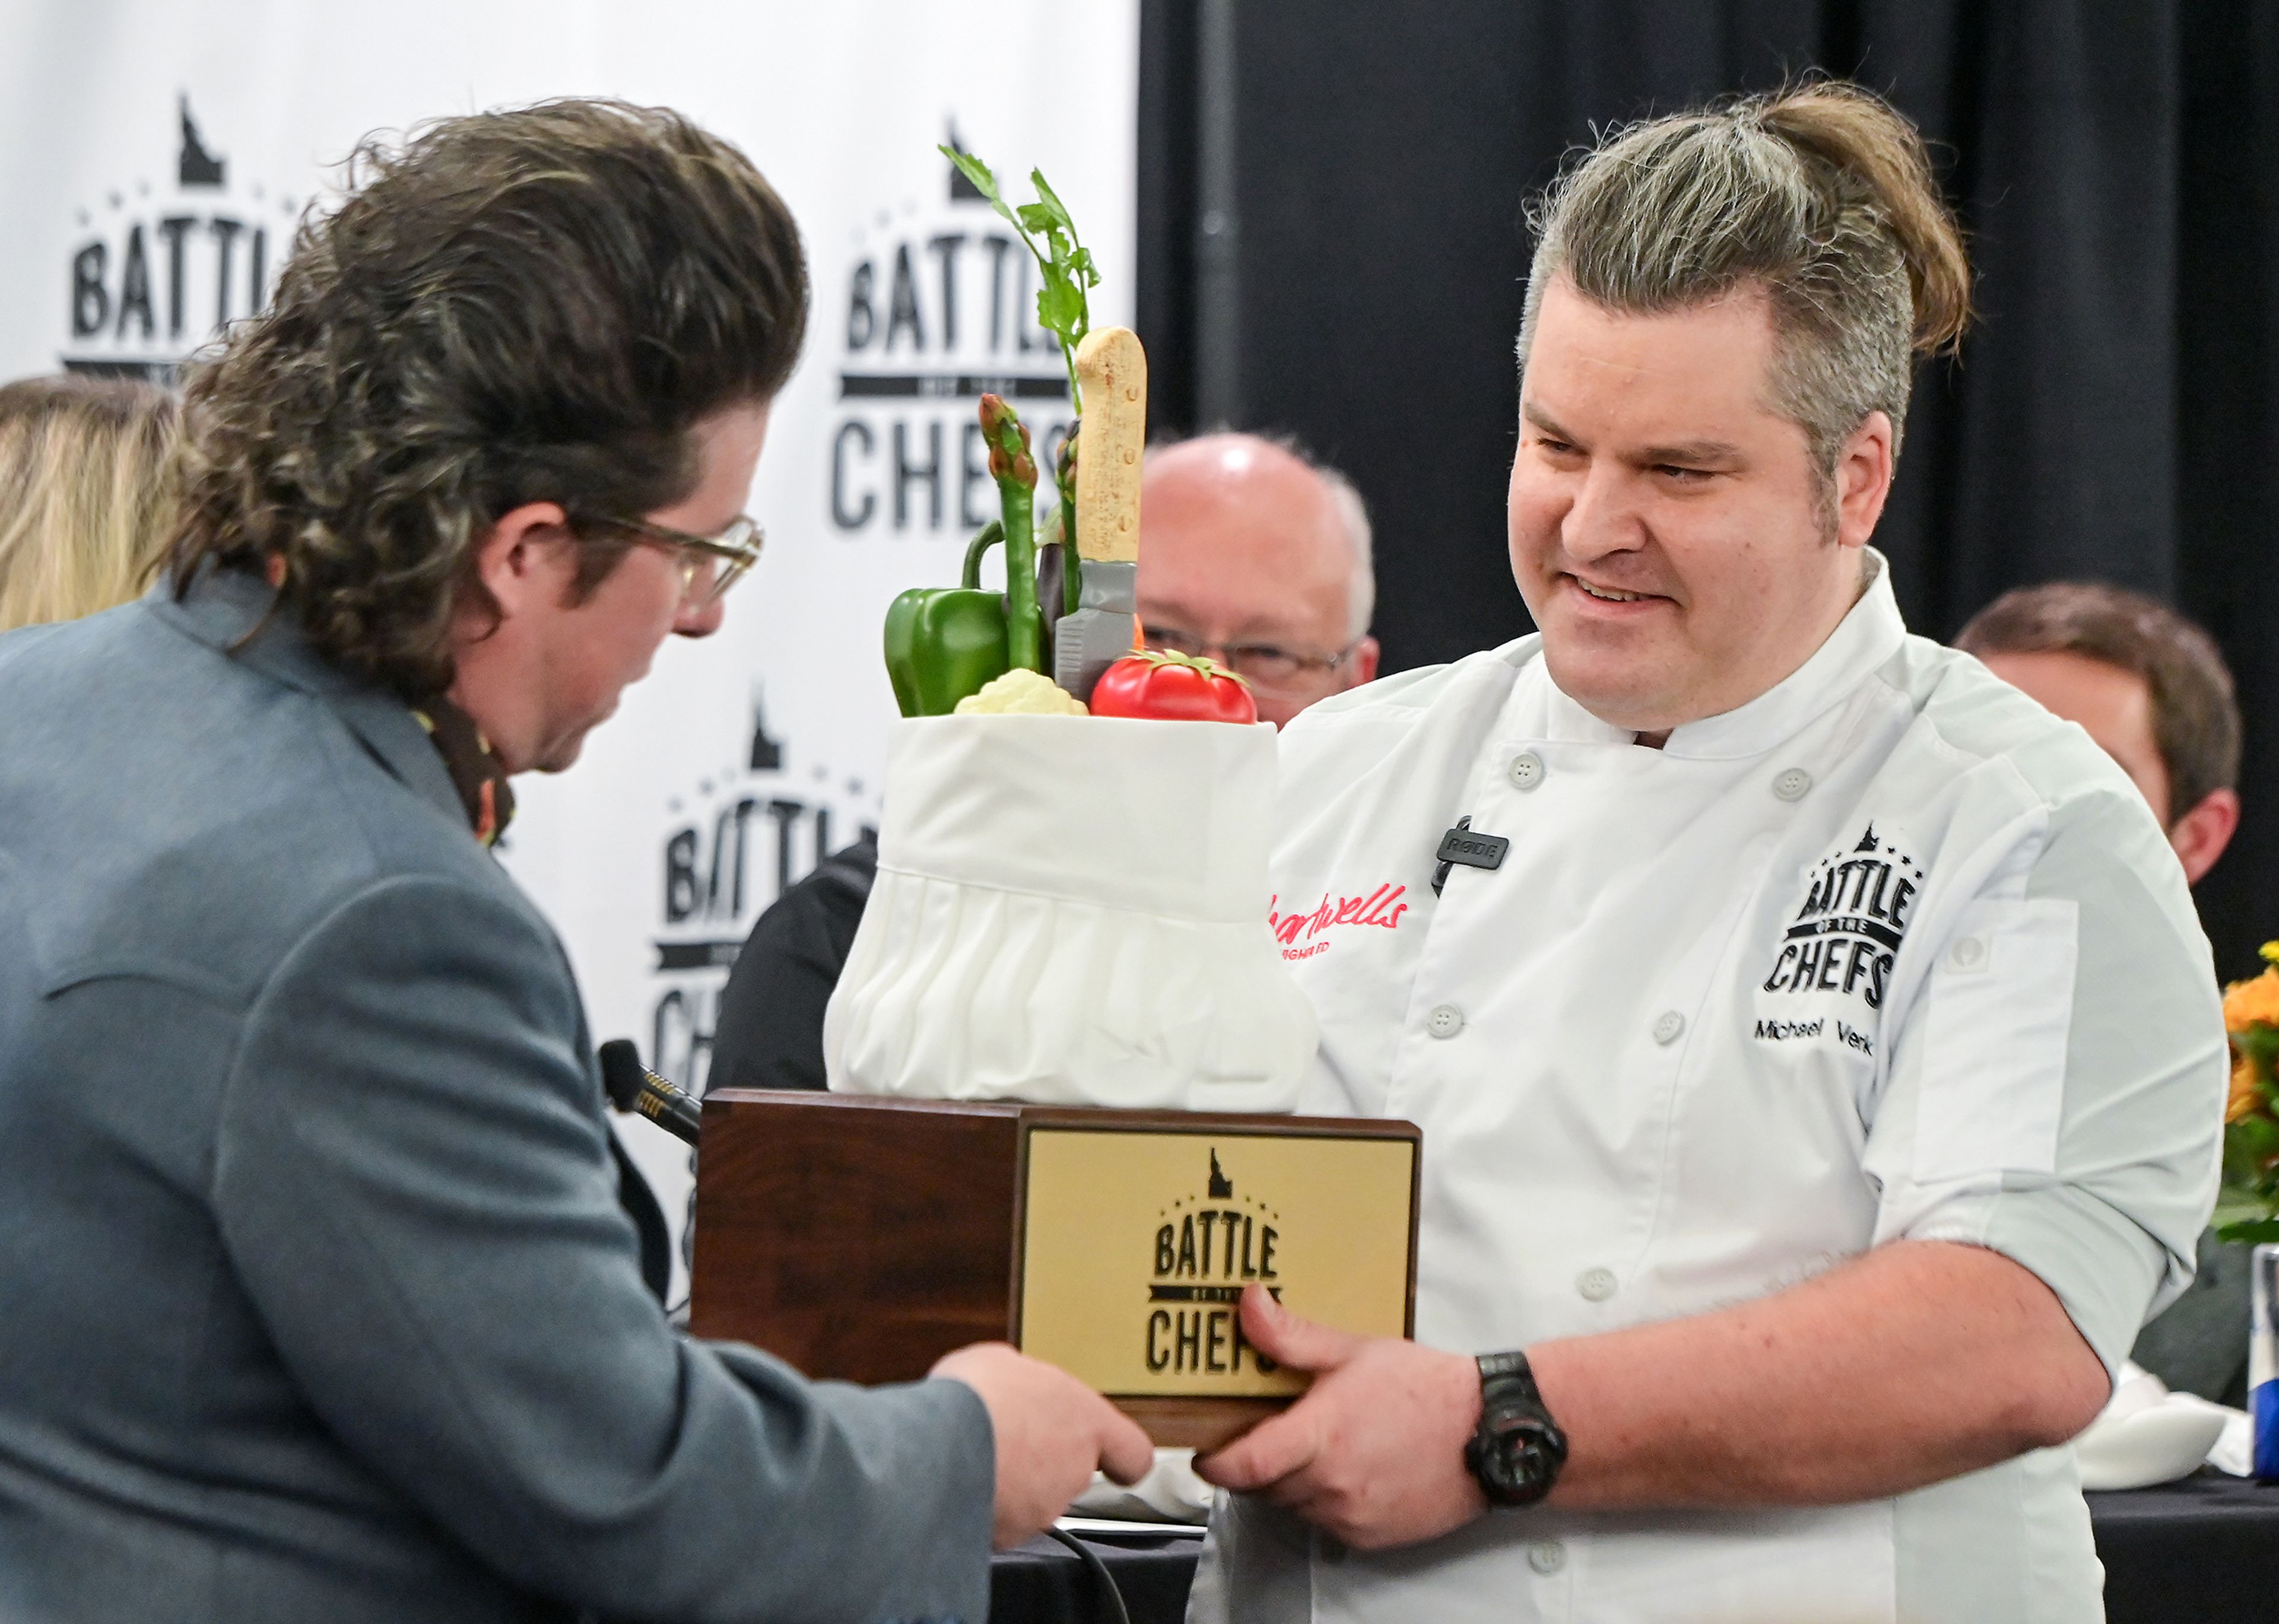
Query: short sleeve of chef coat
(2056,1090)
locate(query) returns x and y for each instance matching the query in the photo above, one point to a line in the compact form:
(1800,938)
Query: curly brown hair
(532,305)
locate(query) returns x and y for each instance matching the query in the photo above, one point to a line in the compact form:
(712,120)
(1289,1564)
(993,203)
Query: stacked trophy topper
(1068,609)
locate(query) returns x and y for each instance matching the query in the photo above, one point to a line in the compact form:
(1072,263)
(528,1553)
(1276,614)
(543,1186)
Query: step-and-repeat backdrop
(154,159)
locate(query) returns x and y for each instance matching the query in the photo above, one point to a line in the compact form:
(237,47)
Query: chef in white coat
(1818,1056)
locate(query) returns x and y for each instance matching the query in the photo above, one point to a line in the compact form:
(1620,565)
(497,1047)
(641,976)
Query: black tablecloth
(2201,1551)
(1042,1583)
(2205,1550)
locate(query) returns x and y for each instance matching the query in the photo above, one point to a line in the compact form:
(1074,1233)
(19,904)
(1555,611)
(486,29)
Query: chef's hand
(1050,1431)
(1374,1451)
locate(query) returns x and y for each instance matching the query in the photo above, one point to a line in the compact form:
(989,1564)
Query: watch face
(1517,1459)
(1519,1462)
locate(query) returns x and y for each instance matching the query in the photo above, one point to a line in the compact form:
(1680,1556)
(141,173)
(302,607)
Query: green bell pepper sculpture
(944,642)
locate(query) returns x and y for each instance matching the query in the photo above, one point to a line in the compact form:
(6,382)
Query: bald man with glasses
(1258,557)
(1251,553)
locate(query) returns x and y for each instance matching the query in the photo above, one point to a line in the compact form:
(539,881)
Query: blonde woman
(86,499)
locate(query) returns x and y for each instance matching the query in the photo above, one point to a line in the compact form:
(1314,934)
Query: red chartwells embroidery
(1381,908)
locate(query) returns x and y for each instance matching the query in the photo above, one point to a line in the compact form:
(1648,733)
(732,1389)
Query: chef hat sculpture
(1071,908)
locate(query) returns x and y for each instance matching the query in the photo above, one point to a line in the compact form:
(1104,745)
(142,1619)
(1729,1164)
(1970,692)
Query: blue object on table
(2263,1362)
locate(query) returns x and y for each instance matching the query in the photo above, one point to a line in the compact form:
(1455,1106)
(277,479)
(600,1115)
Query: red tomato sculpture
(1172,687)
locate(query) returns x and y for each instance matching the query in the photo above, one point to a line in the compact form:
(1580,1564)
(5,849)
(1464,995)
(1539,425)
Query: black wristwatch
(1517,1449)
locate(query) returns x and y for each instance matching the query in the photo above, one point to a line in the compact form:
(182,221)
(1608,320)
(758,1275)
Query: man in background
(1251,553)
(1259,557)
(2152,690)
(2147,685)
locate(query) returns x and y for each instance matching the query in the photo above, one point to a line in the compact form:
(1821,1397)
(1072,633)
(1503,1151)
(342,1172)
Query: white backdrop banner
(154,157)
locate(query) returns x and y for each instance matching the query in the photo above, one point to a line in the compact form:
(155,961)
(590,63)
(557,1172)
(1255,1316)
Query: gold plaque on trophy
(862,1238)
(1136,1249)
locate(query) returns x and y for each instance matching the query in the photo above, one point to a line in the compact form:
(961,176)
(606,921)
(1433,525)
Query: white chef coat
(1887,952)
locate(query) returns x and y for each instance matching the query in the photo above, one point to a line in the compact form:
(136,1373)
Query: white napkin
(2235,1446)
(2147,1435)
(1170,1492)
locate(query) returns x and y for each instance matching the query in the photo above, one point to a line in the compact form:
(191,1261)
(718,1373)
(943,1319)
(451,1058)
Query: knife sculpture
(1111,371)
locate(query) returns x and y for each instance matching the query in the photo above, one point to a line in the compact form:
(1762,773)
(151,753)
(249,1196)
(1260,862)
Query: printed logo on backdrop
(734,845)
(168,257)
(938,307)
(1846,937)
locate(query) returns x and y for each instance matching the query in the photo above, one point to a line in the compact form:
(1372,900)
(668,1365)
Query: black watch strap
(1517,1449)
(1508,1373)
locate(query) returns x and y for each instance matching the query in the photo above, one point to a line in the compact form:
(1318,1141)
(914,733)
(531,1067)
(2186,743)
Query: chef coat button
(1667,1026)
(1968,954)
(1445,1021)
(1547,1556)
(1527,770)
(1596,1285)
(1792,785)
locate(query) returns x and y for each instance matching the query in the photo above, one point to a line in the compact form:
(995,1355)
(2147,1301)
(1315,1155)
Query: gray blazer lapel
(225,605)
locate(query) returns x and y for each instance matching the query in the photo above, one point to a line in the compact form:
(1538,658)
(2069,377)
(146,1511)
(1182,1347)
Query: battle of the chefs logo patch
(1138,1246)
(1846,935)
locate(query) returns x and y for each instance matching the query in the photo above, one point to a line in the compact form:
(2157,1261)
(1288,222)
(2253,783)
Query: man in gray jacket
(316,1299)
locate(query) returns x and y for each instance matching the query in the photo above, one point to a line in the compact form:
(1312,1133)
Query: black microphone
(633,1087)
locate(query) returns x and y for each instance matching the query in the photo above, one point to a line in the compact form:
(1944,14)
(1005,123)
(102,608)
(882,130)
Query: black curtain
(2111,417)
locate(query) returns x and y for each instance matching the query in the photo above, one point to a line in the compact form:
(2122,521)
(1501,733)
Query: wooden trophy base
(861,1238)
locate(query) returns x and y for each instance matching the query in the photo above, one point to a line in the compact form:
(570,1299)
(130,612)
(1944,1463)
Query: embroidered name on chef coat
(1298,933)
(1846,934)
